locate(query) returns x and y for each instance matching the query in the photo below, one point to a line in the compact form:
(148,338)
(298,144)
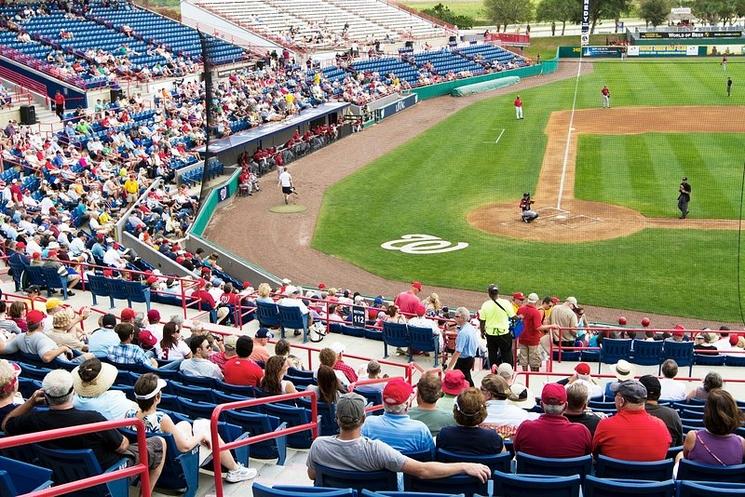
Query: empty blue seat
(646,353)
(710,489)
(613,350)
(267,314)
(600,487)
(496,462)
(689,470)
(17,478)
(291,317)
(395,335)
(73,465)
(423,340)
(680,352)
(550,466)
(367,493)
(510,485)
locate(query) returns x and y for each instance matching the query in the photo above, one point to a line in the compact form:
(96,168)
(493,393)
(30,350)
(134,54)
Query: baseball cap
(322,286)
(533,298)
(652,384)
(153,315)
(572,300)
(397,391)
(338,347)
(518,296)
(230,341)
(127,314)
(417,285)
(53,303)
(554,394)
(454,382)
(108,321)
(147,339)
(263,333)
(34,317)
(505,370)
(350,408)
(582,368)
(733,339)
(58,383)
(679,330)
(493,288)
(631,390)
(496,385)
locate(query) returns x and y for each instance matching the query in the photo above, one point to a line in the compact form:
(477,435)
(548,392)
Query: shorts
(287,190)
(131,197)
(154,453)
(529,355)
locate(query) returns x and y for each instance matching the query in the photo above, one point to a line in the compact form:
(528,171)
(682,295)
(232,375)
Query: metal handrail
(140,469)
(218,448)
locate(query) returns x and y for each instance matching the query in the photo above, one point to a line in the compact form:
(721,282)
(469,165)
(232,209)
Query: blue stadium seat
(680,352)
(689,470)
(423,340)
(98,287)
(291,317)
(710,489)
(608,467)
(601,487)
(496,462)
(256,424)
(463,484)
(534,465)
(260,490)
(646,353)
(17,478)
(357,480)
(328,425)
(510,485)
(395,335)
(293,416)
(73,465)
(267,314)
(701,359)
(613,350)
(367,493)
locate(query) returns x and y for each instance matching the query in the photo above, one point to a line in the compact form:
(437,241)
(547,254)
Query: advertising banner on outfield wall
(602,51)
(661,50)
(395,107)
(656,35)
(725,50)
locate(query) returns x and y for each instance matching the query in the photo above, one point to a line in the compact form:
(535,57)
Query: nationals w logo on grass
(419,244)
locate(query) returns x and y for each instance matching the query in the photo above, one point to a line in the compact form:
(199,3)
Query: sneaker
(241,473)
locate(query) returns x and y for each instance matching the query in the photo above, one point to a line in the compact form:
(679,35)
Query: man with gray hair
(553,435)
(394,427)
(576,411)
(466,343)
(350,450)
(109,446)
(428,392)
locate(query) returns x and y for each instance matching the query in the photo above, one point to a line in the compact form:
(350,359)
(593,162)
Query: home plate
(561,217)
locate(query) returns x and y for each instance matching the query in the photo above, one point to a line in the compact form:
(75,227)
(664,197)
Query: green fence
(440,89)
(210,204)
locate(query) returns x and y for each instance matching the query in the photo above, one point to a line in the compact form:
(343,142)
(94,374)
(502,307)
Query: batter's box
(579,220)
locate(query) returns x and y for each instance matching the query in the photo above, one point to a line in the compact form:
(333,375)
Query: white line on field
(498,138)
(569,135)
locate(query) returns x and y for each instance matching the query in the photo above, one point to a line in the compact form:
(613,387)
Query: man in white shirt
(421,322)
(500,414)
(285,181)
(112,257)
(582,375)
(293,300)
(671,389)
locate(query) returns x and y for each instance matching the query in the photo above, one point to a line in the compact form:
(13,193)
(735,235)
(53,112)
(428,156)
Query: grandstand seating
(445,61)
(602,487)
(73,465)
(18,478)
(509,485)
(710,489)
(607,467)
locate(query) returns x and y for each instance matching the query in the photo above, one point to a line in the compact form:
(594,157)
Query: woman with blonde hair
(264,291)
(9,396)
(432,303)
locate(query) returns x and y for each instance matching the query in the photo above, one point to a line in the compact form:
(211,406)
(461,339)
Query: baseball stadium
(365,248)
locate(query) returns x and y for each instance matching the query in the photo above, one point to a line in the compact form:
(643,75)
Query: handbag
(516,322)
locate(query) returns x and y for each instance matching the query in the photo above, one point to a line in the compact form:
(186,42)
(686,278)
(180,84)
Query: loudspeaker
(452,39)
(115,94)
(28,114)
(409,44)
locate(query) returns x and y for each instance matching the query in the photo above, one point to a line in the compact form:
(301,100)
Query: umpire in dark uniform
(684,196)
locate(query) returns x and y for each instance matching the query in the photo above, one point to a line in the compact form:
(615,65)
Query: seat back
(259,490)
(73,465)
(510,485)
(703,359)
(732,360)
(97,285)
(395,335)
(534,465)
(52,278)
(710,489)
(258,424)
(607,467)
(327,412)
(136,291)
(496,462)
(605,487)
(291,317)
(35,276)
(293,416)
(357,480)
(17,268)
(647,353)
(267,314)
(689,470)
(423,340)
(681,352)
(615,349)
(352,331)
(117,290)
(17,478)
(299,373)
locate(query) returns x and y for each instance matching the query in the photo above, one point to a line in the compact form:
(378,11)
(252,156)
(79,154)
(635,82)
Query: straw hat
(100,374)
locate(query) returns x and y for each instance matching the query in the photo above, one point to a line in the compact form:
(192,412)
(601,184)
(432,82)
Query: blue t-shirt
(399,431)
(467,341)
(101,341)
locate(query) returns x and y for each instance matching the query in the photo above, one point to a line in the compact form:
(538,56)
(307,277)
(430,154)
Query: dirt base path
(574,220)
(280,243)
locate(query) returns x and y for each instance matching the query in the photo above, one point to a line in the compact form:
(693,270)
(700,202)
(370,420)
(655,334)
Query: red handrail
(25,82)
(218,448)
(140,469)
(528,374)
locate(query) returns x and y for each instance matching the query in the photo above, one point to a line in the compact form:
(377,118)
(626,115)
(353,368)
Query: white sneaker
(241,473)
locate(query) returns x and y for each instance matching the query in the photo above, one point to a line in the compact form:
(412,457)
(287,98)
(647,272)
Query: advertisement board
(398,106)
(725,50)
(680,35)
(602,51)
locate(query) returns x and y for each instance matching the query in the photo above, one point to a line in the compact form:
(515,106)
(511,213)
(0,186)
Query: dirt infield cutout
(583,221)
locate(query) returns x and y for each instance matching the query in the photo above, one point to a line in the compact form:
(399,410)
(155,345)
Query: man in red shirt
(632,434)
(553,435)
(59,104)
(342,366)
(407,302)
(518,107)
(241,370)
(529,343)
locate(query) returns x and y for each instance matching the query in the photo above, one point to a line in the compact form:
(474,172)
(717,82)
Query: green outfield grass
(471,8)
(643,171)
(430,183)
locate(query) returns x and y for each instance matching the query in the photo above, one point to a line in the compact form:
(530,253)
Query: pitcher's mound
(287,208)
(576,222)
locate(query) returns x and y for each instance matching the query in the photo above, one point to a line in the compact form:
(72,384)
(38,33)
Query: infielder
(729,87)
(518,107)
(684,196)
(605,92)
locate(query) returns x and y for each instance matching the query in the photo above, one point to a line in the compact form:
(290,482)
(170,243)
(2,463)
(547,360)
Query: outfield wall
(441,89)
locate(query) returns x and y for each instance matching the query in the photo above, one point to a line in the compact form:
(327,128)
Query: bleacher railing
(140,469)
(547,374)
(218,448)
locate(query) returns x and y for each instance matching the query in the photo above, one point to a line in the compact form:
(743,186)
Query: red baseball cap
(679,330)
(322,286)
(518,296)
(35,317)
(555,300)
(147,339)
(151,279)
(128,314)
(733,339)
(153,315)
(554,394)
(454,382)
(582,368)
(397,391)
(417,285)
